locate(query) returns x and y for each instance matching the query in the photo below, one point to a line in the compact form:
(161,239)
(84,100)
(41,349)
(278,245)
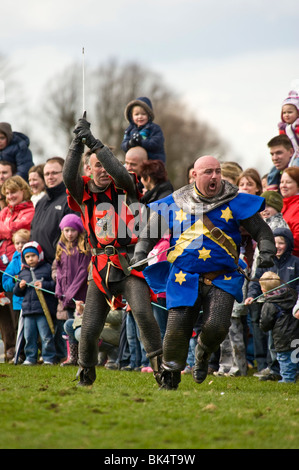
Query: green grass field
(42,408)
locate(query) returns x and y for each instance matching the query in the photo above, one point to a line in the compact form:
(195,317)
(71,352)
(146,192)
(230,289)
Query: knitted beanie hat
(273,199)
(293,98)
(270,280)
(32,247)
(145,103)
(73,221)
(5,128)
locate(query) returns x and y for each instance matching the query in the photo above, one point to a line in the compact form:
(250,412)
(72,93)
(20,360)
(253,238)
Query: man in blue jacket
(35,322)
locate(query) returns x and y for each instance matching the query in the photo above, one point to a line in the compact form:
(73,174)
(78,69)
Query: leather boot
(200,368)
(170,379)
(156,363)
(87,376)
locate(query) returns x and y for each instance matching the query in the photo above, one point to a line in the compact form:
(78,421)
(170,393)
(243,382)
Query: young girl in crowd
(73,258)
(72,262)
(289,124)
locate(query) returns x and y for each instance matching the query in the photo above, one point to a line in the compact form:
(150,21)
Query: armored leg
(217,308)
(169,379)
(95,313)
(176,343)
(200,369)
(136,292)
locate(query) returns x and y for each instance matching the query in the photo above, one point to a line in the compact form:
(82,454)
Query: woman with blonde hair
(17,214)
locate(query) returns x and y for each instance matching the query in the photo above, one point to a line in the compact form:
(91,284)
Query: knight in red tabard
(108,204)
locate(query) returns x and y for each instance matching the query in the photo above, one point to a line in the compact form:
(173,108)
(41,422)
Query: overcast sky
(233,62)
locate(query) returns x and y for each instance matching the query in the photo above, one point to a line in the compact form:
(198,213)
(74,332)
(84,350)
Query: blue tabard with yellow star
(196,252)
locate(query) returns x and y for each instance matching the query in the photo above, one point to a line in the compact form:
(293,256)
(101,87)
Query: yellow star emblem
(180,215)
(180,278)
(227,278)
(204,253)
(226,214)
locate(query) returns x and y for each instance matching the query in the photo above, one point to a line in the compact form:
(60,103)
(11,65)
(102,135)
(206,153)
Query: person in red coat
(17,214)
(289,189)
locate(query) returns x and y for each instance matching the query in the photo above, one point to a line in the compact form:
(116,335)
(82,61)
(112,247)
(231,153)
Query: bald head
(206,161)
(207,175)
(134,159)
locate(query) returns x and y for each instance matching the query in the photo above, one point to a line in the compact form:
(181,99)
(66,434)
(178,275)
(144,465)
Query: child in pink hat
(289,124)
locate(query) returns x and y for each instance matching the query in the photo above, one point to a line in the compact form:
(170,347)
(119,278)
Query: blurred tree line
(108,89)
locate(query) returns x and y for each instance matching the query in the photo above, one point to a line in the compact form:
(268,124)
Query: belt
(111,250)
(207,278)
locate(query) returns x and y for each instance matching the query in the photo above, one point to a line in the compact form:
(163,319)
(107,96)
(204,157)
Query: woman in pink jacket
(289,189)
(17,214)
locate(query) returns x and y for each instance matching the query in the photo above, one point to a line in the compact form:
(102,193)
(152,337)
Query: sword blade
(145,260)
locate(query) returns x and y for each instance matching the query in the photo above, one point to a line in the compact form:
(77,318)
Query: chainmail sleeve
(117,171)
(71,170)
(258,229)
(263,235)
(150,234)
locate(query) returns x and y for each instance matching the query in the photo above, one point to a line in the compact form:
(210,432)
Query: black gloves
(267,253)
(82,131)
(140,256)
(136,140)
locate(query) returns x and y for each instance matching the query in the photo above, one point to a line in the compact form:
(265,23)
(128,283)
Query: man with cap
(14,147)
(110,212)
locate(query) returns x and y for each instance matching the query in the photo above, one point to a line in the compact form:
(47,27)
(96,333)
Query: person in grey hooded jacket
(14,148)
(142,131)
(277,317)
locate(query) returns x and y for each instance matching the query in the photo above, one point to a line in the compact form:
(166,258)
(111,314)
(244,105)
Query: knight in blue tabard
(203,271)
